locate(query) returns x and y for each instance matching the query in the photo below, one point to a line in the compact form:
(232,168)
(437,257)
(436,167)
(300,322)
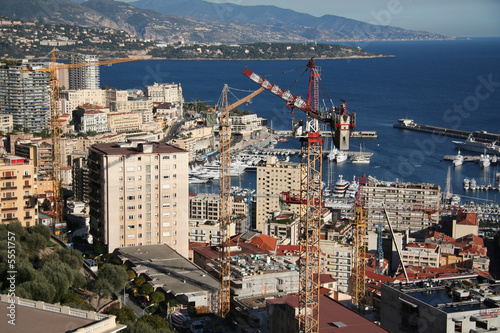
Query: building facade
(25,95)
(165,93)
(87,77)
(139,195)
(273,178)
(17,191)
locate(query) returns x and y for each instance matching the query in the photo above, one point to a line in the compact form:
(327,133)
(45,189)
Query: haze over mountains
(197,21)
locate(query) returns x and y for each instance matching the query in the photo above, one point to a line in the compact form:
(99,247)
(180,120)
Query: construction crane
(359,240)
(224,193)
(55,124)
(310,185)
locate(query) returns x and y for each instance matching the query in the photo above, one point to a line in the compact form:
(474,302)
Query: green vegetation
(43,275)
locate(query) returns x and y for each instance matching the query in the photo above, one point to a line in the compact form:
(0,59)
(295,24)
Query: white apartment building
(25,95)
(422,255)
(71,99)
(139,195)
(84,77)
(95,121)
(245,124)
(165,93)
(273,178)
(6,123)
(125,122)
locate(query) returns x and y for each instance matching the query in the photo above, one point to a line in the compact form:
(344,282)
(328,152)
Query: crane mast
(310,186)
(225,204)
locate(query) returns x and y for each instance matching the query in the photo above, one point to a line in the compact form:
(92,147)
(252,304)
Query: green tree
(42,230)
(131,274)
(154,321)
(35,242)
(72,257)
(143,327)
(38,290)
(124,314)
(157,297)
(147,289)
(139,281)
(60,275)
(115,275)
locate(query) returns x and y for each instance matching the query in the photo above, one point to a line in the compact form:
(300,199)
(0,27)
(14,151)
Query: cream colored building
(17,191)
(338,262)
(410,206)
(6,123)
(165,93)
(422,255)
(71,99)
(124,122)
(273,178)
(139,195)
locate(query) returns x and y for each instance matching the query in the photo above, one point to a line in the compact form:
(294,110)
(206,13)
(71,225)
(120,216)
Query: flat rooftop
(131,148)
(168,269)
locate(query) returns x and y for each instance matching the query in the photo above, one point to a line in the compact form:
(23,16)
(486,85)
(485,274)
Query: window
(130,188)
(166,234)
(131,217)
(166,205)
(131,227)
(130,178)
(121,227)
(131,197)
(166,176)
(166,157)
(130,168)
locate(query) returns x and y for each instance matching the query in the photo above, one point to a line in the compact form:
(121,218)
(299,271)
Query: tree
(72,257)
(142,326)
(147,289)
(131,274)
(139,281)
(124,314)
(60,275)
(37,290)
(154,321)
(115,275)
(158,297)
(42,230)
(35,242)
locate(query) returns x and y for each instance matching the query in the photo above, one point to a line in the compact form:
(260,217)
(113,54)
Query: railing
(9,198)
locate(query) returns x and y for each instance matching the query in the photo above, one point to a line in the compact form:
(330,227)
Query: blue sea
(453,83)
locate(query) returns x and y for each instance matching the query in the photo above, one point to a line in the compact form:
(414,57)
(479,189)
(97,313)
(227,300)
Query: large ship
(472,144)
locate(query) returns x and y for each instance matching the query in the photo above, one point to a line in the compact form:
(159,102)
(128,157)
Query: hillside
(207,22)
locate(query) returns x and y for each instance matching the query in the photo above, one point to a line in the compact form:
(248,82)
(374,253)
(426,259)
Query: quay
(482,136)
(466,158)
(291,151)
(354,134)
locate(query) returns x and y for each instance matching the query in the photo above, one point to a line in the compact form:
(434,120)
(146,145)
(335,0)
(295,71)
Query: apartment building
(410,206)
(204,207)
(338,262)
(25,95)
(17,191)
(165,93)
(84,77)
(138,195)
(246,124)
(124,122)
(6,123)
(72,99)
(422,255)
(273,178)
(39,151)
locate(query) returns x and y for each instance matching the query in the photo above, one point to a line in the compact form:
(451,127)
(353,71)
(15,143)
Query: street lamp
(150,305)
(124,290)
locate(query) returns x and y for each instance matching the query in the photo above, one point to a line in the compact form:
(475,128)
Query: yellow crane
(224,193)
(55,125)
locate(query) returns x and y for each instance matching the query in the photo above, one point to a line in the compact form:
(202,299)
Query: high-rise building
(139,195)
(25,95)
(84,77)
(17,191)
(273,178)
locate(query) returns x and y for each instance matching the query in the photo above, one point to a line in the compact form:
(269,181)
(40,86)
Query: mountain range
(197,21)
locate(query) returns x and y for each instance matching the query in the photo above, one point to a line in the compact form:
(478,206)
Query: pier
(354,134)
(481,136)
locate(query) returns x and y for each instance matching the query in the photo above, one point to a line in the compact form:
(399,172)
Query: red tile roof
(288,250)
(467,219)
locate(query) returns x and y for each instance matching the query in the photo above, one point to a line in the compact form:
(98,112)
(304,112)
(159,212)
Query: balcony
(9,199)
(8,177)
(10,209)
(26,176)
(26,187)
(8,188)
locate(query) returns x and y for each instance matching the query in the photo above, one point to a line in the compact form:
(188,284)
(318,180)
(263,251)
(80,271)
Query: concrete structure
(40,152)
(441,305)
(17,191)
(175,275)
(246,124)
(411,206)
(281,316)
(273,178)
(254,271)
(25,96)
(139,195)
(84,77)
(39,317)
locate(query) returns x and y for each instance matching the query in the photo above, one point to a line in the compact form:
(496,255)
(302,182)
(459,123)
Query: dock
(481,136)
(466,158)
(354,134)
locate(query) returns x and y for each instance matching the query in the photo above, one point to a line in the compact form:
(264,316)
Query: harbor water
(453,84)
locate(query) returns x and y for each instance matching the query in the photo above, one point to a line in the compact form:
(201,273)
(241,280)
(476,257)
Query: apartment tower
(84,77)
(139,195)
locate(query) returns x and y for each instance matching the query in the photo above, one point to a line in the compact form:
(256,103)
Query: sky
(461,18)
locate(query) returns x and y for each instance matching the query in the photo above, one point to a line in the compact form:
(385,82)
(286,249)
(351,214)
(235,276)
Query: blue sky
(464,18)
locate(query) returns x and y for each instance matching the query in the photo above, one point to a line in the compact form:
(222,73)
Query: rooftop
(131,148)
(168,269)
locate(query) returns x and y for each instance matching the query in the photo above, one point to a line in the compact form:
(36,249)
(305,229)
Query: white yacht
(458,159)
(473,184)
(341,156)
(484,160)
(466,184)
(333,153)
(340,187)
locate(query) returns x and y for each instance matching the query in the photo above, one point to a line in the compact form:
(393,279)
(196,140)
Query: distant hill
(196,21)
(324,28)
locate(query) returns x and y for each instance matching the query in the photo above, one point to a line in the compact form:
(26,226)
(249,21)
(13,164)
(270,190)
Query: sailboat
(362,158)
